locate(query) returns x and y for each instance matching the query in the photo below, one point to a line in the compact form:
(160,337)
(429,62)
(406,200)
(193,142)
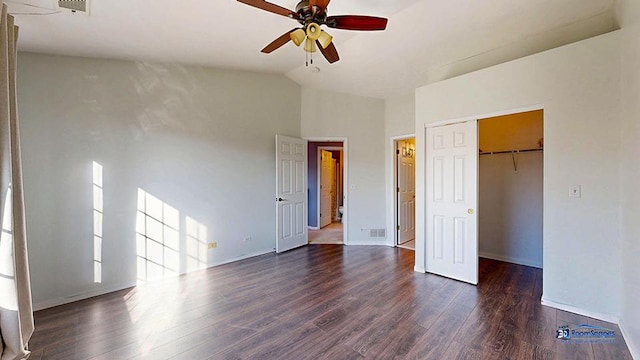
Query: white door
(406,191)
(452,200)
(291,193)
(326,178)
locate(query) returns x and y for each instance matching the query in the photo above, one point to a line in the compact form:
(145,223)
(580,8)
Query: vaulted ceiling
(425,41)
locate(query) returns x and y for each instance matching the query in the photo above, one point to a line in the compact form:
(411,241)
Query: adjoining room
(327,213)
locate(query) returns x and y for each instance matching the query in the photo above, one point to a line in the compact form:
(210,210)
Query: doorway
(405,193)
(511,167)
(327,200)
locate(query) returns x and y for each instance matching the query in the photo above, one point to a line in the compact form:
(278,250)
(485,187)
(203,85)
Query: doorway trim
(345,180)
(392,205)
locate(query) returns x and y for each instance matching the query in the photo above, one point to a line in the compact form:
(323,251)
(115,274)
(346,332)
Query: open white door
(406,191)
(291,193)
(452,200)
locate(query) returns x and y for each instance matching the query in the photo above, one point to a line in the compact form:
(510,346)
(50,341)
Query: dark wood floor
(320,302)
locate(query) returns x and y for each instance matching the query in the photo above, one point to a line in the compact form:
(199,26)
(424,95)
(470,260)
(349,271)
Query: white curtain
(16,311)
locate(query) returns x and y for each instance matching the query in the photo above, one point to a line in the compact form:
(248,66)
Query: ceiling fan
(312,14)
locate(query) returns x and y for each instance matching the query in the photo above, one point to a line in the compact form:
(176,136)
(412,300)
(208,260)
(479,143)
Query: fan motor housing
(307,15)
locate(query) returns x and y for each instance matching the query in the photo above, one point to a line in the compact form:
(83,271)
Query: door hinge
(397,151)
(398,227)
(398,189)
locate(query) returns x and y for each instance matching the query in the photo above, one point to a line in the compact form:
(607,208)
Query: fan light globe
(310,46)
(313,31)
(325,39)
(298,36)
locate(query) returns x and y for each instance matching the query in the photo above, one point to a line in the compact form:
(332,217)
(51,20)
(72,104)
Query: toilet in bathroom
(341,210)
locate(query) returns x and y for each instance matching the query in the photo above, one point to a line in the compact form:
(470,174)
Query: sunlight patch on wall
(98,214)
(7,220)
(196,245)
(157,238)
(7,284)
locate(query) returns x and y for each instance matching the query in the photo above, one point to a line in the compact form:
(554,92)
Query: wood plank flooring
(320,302)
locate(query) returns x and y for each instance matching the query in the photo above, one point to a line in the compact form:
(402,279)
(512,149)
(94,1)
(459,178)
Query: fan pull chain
(309,59)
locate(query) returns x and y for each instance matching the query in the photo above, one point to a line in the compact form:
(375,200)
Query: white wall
(579,87)
(510,208)
(360,120)
(630,173)
(201,140)
(399,120)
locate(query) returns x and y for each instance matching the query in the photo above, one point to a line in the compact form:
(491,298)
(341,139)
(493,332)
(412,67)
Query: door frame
(392,207)
(345,180)
(319,170)
(421,170)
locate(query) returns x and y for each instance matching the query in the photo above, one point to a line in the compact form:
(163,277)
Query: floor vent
(74,5)
(377,233)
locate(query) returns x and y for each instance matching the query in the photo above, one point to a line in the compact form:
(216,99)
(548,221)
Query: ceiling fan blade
(357,22)
(267,6)
(330,53)
(277,43)
(322,4)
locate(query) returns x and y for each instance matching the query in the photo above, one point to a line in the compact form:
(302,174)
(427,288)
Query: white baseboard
(314,228)
(509,259)
(420,269)
(576,310)
(45,304)
(242,257)
(368,243)
(631,344)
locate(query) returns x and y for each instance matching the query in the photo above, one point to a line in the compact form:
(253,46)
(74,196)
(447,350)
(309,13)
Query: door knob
(281,199)
(470,211)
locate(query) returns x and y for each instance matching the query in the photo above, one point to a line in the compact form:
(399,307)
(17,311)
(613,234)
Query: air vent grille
(73,5)
(377,233)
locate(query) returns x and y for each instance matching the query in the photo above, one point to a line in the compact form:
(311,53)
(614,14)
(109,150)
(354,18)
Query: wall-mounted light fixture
(408,151)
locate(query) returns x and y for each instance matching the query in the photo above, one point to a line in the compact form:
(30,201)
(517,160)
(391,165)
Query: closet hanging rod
(509,151)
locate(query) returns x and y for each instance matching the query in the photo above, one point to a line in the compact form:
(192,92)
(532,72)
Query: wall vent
(81,6)
(377,233)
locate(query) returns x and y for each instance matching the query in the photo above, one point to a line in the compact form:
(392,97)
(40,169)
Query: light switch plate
(575,191)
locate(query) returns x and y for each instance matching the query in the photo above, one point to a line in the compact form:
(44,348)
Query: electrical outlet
(247,239)
(212,245)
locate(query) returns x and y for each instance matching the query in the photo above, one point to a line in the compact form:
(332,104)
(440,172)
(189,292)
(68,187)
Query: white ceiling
(426,40)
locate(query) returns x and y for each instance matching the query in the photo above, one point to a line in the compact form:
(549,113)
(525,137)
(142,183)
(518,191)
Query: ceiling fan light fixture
(310,46)
(311,14)
(298,36)
(313,31)
(325,39)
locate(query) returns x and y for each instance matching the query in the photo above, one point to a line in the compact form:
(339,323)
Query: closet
(511,188)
